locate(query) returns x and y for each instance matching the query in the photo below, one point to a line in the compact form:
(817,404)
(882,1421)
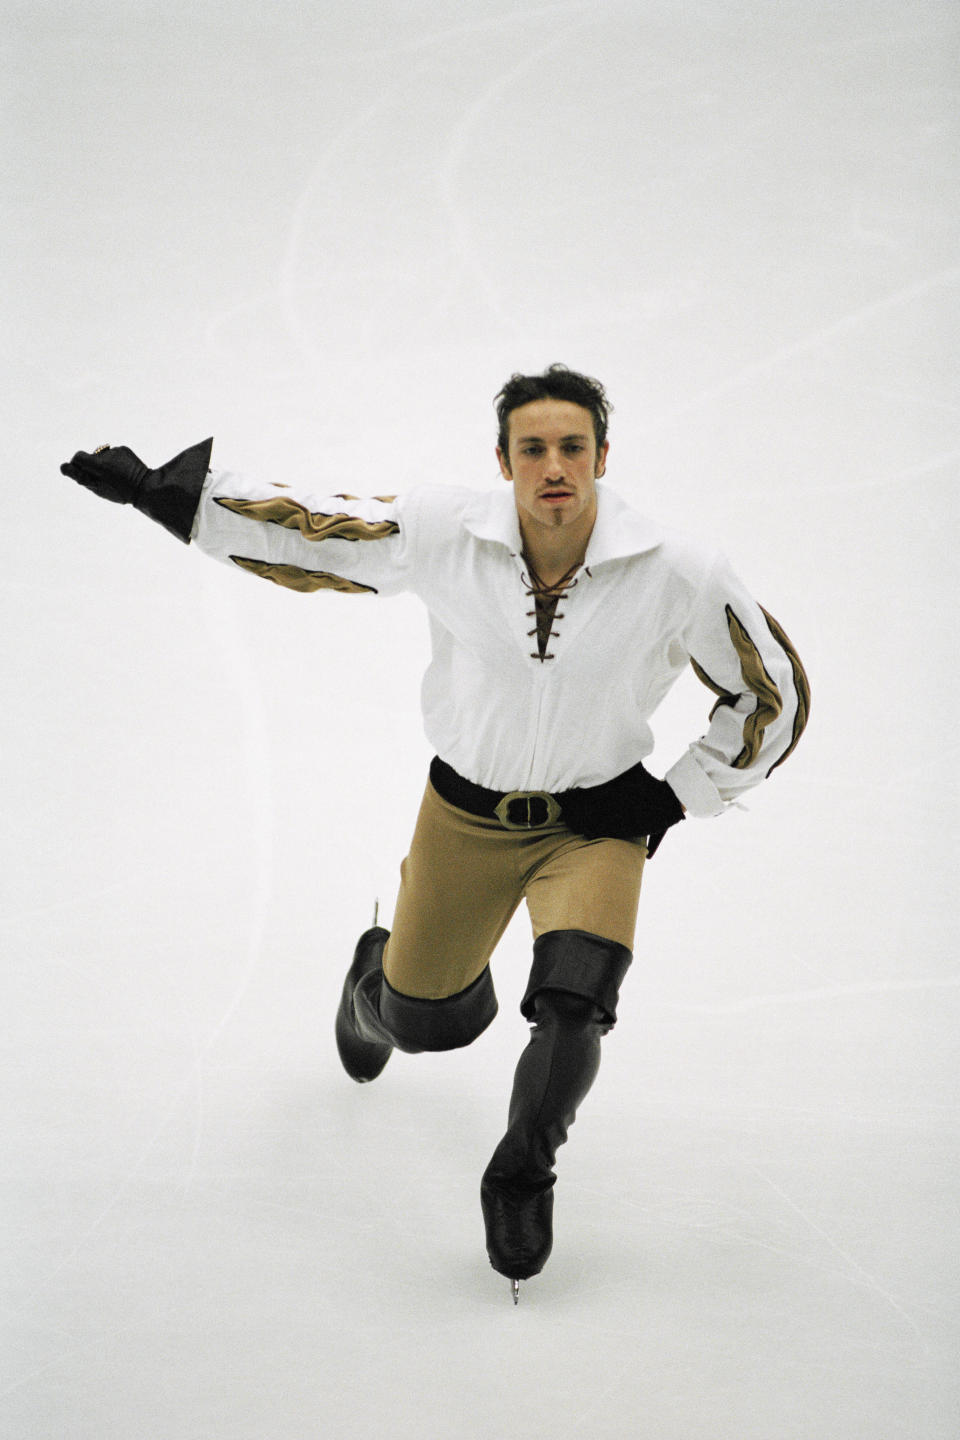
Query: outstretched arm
(303,539)
(292,534)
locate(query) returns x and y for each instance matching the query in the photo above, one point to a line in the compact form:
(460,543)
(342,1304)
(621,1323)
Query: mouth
(556,497)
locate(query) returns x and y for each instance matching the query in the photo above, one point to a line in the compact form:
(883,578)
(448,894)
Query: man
(559,620)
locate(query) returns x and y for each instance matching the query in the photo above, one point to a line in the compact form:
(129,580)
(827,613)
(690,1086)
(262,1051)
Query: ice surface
(327,235)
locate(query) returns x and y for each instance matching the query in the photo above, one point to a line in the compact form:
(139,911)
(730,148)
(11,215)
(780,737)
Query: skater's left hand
(630,805)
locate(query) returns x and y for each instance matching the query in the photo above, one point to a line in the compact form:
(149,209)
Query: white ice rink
(326,234)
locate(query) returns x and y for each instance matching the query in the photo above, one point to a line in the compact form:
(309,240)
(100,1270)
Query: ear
(602,460)
(505,470)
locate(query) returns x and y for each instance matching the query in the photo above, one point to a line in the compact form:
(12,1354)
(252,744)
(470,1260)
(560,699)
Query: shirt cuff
(694,788)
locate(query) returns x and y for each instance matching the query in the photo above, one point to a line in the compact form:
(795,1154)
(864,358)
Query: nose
(553,469)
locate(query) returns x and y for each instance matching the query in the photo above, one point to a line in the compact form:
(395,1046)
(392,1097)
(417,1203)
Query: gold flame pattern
(312,524)
(307,582)
(769,700)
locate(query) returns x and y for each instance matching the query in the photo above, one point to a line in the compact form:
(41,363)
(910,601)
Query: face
(553,464)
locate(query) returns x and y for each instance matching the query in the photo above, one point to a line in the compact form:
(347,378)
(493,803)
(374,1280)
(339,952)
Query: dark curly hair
(556,383)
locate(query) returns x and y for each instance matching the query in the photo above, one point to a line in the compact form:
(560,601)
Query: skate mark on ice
(813,996)
(905,781)
(723,1224)
(287,285)
(901,398)
(224,627)
(920,471)
(860,1275)
(894,39)
(805,345)
(458,139)
(325,168)
(448,33)
(220,617)
(73,1352)
(287,289)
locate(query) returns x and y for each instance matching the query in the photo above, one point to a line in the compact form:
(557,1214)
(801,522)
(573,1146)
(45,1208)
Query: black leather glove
(630,805)
(169,495)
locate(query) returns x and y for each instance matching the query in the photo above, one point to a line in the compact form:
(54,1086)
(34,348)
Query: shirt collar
(619,530)
(492,515)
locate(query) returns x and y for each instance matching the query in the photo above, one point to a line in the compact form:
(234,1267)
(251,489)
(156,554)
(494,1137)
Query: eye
(573,447)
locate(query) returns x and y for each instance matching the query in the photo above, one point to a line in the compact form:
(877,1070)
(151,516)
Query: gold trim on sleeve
(759,683)
(307,582)
(313,525)
(801,683)
(769,700)
(726,697)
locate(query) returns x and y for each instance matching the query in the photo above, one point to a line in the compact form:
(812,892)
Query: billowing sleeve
(742,654)
(303,539)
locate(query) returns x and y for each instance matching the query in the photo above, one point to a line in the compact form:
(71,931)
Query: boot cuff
(579,964)
(446,1024)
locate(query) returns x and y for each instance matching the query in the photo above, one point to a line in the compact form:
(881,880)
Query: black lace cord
(537,589)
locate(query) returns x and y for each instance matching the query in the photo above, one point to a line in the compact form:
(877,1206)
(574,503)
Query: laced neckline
(546,599)
(536,586)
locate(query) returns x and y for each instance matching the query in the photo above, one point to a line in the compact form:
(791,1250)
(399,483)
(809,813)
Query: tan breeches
(465,877)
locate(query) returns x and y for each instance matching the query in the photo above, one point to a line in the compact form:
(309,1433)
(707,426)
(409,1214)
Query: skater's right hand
(169,495)
(114,474)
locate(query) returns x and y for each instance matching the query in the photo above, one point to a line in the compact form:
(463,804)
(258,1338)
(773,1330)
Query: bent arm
(744,656)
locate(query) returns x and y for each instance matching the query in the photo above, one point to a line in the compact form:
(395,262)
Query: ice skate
(362,1059)
(519,1230)
(571,1001)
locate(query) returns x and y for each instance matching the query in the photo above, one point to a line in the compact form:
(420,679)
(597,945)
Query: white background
(326,234)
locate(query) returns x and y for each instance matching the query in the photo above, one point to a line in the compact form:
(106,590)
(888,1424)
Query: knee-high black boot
(571,999)
(373,1019)
(363,1057)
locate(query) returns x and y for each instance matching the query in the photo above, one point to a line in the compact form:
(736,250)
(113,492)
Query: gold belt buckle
(531,802)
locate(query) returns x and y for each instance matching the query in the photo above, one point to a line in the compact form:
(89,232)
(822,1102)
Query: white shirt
(645,604)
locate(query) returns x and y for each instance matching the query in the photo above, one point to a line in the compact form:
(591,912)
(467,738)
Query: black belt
(515,809)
